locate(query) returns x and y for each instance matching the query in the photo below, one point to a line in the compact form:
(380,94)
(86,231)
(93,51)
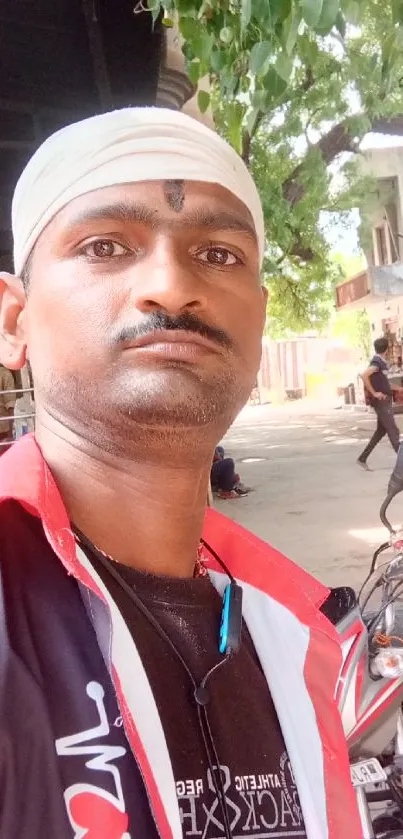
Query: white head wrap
(125,146)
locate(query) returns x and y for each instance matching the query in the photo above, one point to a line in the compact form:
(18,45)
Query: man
(225,482)
(7,402)
(125,710)
(379,393)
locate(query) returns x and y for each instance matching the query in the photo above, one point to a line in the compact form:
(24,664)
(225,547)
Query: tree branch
(308,125)
(247,138)
(298,249)
(297,303)
(309,80)
(337,140)
(307,83)
(301,251)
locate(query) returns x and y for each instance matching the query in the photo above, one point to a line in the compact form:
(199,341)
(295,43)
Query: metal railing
(10,421)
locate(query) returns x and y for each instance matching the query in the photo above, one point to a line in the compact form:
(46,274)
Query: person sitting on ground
(225,482)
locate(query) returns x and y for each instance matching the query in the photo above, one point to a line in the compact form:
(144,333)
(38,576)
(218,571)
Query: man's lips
(175,344)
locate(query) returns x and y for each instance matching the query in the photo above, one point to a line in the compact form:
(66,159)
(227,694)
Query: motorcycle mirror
(395,484)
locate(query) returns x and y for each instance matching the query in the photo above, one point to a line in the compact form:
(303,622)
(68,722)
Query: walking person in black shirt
(379,391)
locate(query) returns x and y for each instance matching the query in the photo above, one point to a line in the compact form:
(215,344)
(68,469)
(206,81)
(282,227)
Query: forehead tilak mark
(174,193)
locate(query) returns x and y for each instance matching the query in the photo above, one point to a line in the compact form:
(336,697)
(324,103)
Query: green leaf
(270,12)
(204,10)
(203,100)
(227,34)
(154,6)
(283,66)
(327,20)
(218,60)
(311,11)
(189,28)
(279,9)
(259,55)
(203,46)
(167,21)
(235,113)
(246,12)
(352,12)
(358,125)
(229,83)
(310,51)
(251,121)
(261,101)
(185,7)
(194,71)
(290,30)
(274,84)
(261,11)
(397,11)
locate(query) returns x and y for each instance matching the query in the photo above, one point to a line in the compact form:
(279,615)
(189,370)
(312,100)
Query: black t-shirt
(379,379)
(260,790)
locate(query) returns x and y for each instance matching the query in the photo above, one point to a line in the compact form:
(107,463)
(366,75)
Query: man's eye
(104,249)
(217,256)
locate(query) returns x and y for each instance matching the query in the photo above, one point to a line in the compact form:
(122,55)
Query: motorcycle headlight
(388,663)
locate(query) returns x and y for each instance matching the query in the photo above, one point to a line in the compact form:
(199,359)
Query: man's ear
(13,347)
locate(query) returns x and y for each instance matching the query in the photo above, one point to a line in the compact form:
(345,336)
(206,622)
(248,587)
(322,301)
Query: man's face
(144,306)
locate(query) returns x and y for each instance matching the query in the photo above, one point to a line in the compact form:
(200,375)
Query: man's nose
(168,280)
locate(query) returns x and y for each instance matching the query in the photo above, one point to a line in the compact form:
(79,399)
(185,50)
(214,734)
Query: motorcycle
(370,686)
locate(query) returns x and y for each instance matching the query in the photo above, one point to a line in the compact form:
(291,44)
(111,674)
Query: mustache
(160,321)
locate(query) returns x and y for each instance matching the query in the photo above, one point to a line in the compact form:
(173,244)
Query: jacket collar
(26,477)
(311,650)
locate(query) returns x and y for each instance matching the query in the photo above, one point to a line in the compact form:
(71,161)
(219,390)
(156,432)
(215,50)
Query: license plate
(367,772)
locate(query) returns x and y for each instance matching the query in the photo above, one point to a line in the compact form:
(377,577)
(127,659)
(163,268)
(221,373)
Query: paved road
(311,500)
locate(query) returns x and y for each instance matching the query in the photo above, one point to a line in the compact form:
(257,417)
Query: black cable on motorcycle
(381,549)
(376,585)
(372,625)
(372,569)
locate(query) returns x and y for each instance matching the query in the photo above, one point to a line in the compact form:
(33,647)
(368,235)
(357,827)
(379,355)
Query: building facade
(379,288)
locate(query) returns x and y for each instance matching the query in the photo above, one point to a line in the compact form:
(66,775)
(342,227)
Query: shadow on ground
(310,499)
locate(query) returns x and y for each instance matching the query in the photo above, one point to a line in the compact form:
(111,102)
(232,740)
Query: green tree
(296,84)
(352,325)
(354,328)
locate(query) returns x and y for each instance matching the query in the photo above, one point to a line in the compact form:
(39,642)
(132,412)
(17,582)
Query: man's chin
(168,414)
(171,399)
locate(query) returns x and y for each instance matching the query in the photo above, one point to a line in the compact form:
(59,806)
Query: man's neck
(145,515)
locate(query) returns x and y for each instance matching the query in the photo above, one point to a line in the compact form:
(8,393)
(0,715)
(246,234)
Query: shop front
(392,329)
(17,406)
(379,291)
